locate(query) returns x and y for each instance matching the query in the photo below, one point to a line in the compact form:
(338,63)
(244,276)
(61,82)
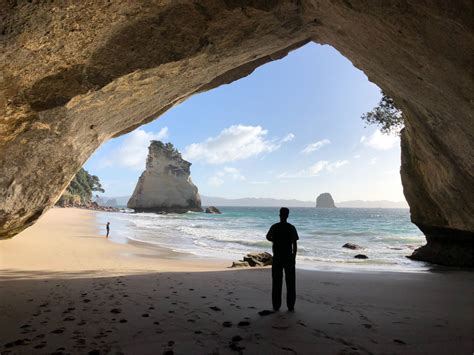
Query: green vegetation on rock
(386,115)
(80,189)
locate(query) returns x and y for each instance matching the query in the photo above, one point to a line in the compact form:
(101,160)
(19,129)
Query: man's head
(284,213)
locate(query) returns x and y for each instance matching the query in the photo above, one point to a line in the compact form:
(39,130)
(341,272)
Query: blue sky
(291,129)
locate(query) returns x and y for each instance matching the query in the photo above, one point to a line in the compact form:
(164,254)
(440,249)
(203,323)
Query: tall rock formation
(325,201)
(165,185)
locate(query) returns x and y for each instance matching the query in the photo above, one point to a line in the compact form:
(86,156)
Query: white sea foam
(241,230)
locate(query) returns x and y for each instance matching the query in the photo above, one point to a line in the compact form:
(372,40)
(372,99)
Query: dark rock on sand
(361,256)
(259,259)
(213,210)
(352,246)
(240,264)
(254,259)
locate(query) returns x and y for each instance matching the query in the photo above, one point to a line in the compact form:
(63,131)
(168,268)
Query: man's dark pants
(280,264)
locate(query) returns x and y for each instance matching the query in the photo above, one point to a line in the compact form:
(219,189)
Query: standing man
(107,228)
(283,235)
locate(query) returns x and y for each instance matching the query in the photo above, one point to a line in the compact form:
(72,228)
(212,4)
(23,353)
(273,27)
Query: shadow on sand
(220,313)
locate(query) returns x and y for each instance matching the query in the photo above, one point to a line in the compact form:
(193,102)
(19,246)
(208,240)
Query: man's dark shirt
(283,235)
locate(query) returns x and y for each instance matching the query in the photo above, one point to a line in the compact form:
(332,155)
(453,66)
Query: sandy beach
(65,289)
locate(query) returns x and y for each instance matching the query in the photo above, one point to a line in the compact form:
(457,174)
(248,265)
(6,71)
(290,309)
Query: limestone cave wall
(74,74)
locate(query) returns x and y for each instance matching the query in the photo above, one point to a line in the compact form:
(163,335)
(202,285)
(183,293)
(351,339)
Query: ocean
(387,235)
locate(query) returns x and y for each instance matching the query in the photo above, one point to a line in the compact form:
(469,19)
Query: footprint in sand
(215,308)
(265,312)
(227,324)
(235,346)
(145,315)
(280,327)
(123,321)
(115,310)
(236,338)
(58,331)
(398,341)
(40,345)
(243,323)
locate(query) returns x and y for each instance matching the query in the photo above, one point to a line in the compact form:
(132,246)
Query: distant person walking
(107,228)
(283,235)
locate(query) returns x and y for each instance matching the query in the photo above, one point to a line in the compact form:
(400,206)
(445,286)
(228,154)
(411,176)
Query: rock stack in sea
(165,185)
(325,200)
(213,210)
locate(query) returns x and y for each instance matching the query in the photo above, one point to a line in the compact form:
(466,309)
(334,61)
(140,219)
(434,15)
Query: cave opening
(72,77)
(281,136)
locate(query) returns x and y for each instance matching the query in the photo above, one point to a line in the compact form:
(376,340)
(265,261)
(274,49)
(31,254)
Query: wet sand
(66,289)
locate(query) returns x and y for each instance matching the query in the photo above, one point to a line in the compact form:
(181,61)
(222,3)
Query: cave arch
(73,77)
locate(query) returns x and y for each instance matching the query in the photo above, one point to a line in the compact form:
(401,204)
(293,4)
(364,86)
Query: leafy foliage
(167,146)
(81,187)
(386,115)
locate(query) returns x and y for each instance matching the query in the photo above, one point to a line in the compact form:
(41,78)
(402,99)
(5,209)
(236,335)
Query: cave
(74,77)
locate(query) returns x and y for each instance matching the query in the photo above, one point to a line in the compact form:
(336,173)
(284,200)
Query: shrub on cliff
(386,115)
(80,189)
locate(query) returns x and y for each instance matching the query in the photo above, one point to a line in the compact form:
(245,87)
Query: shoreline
(349,266)
(66,289)
(69,239)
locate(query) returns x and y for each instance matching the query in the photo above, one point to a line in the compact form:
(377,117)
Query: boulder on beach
(352,246)
(213,210)
(254,259)
(361,256)
(240,264)
(325,200)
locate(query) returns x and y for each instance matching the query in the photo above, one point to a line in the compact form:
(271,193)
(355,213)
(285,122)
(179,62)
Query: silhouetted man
(283,235)
(107,228)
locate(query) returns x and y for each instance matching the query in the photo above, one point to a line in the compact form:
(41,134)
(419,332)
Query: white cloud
(380,141)
(134,149)
(263,182)
(362,139)
(336,165)
(234,143)
(225,173)
(357,156)
(215,181)
(289,137)
(316,169)
(372,161)
(315,146)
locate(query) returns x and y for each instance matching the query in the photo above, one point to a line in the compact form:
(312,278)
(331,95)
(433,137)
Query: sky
(291,130)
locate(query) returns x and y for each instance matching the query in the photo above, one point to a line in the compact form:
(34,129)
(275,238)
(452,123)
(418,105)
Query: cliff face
(325,201)
(72,77)
(165,185)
